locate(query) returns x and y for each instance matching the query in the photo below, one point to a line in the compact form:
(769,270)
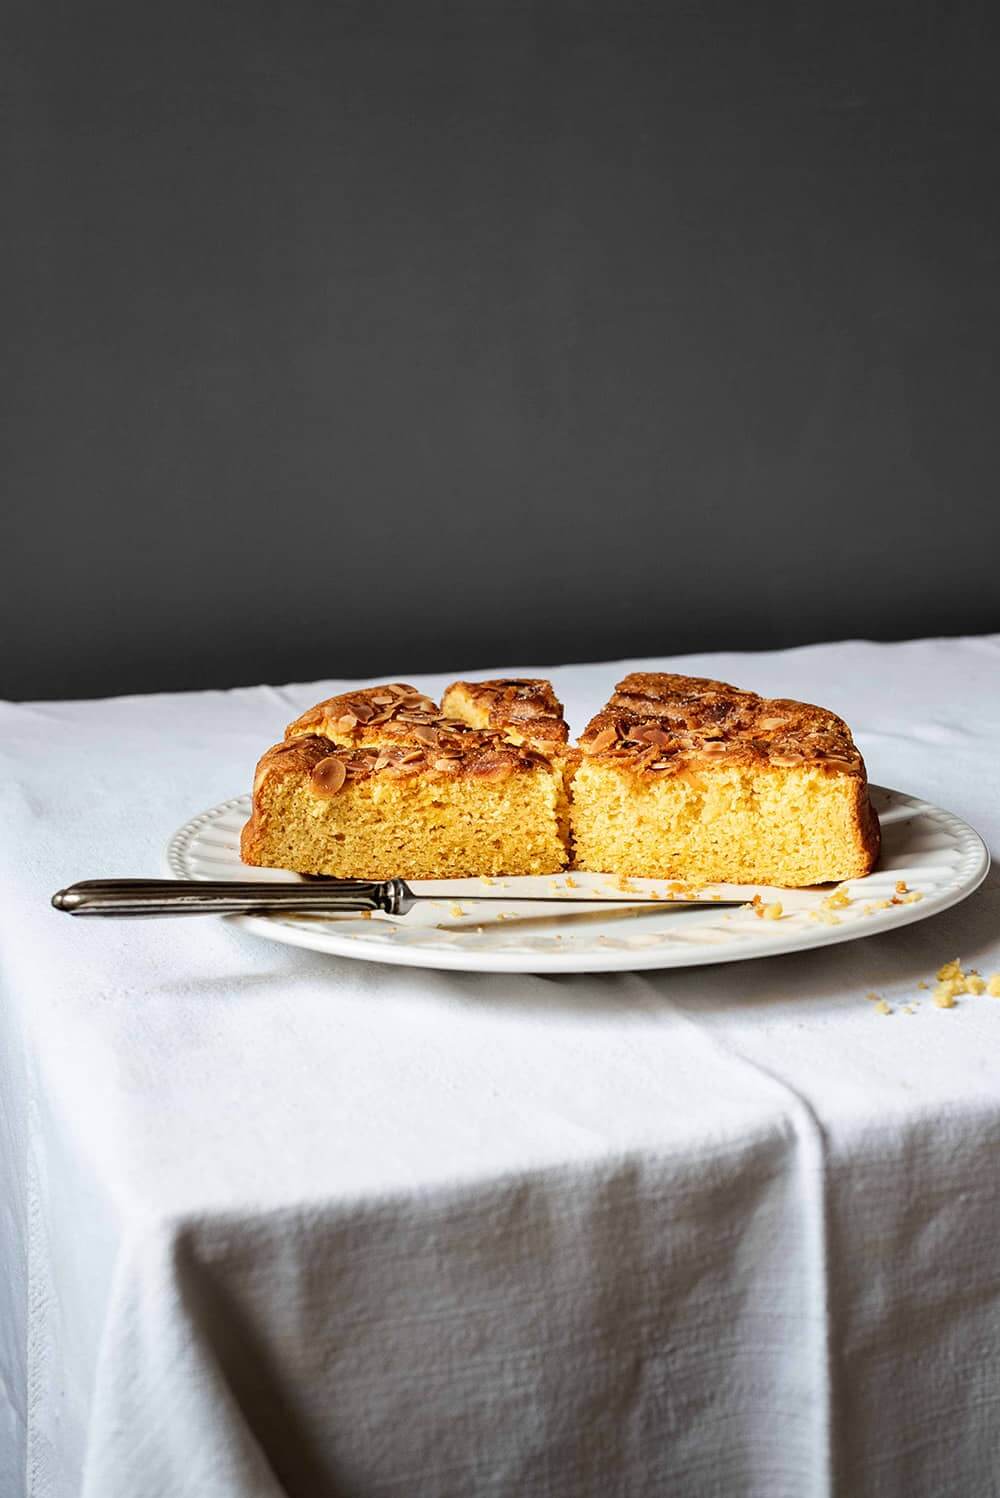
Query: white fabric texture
(280,1224)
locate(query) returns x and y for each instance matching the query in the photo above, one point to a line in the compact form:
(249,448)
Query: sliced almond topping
(446,766)
(362,710)
(329,775)
(382,699)
(346,723)
(602,741)
(493,766)
(651,735)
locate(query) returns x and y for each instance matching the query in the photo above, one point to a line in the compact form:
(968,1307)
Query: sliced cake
(688,778)
(524,710)
(378,783)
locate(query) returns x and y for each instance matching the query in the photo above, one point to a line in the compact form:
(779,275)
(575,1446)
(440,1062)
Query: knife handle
(155,897)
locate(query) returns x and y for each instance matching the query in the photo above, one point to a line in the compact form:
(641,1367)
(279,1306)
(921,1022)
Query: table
(279,1224)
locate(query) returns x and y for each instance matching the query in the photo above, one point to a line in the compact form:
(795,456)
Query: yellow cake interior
(793,826)
(380,828)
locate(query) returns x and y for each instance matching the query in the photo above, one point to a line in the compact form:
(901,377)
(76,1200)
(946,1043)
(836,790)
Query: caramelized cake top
(522,705)
(351,717)
(659,721)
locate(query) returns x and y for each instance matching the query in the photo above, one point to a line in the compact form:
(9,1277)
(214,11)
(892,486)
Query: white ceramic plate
(930,850)
(934,852)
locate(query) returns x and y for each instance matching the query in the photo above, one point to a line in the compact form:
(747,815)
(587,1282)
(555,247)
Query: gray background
(371,338)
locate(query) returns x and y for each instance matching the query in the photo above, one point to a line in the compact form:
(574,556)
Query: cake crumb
(485,879)
(837,901)
(993,986)
(456,909)
(882,1007)
(909,1008)
(943,996)
(901,886)
(826,916)
(772,912)
(975,984)
(911,898)
(570,882)
(951,969)
(922,984)
(757,905)
(875,996)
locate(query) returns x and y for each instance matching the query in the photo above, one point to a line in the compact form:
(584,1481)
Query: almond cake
(687,778)
(379,783)
(676,777)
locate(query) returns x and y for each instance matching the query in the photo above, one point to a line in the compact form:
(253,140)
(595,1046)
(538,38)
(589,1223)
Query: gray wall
(356,338)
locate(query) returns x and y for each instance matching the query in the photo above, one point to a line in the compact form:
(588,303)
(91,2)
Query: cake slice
(687,778)
(524,710)
(378,783)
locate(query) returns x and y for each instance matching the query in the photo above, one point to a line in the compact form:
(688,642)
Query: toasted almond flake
(383,699)
(650,735)
(329,775)
(601,741)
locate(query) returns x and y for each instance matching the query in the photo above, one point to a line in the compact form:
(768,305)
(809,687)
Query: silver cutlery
(154,897)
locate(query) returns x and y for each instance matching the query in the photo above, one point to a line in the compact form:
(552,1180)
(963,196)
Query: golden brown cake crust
(662,722)
(352,716)
(524,705)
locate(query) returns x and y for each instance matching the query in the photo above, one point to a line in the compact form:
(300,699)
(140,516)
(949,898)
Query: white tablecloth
(280,1224)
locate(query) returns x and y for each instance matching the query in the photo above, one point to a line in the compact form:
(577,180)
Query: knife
(119,897)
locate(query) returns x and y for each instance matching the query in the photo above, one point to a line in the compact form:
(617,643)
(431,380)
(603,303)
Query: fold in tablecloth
(281,1224)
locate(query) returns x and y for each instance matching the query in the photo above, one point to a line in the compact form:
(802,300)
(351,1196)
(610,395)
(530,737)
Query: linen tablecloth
(274,1223)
